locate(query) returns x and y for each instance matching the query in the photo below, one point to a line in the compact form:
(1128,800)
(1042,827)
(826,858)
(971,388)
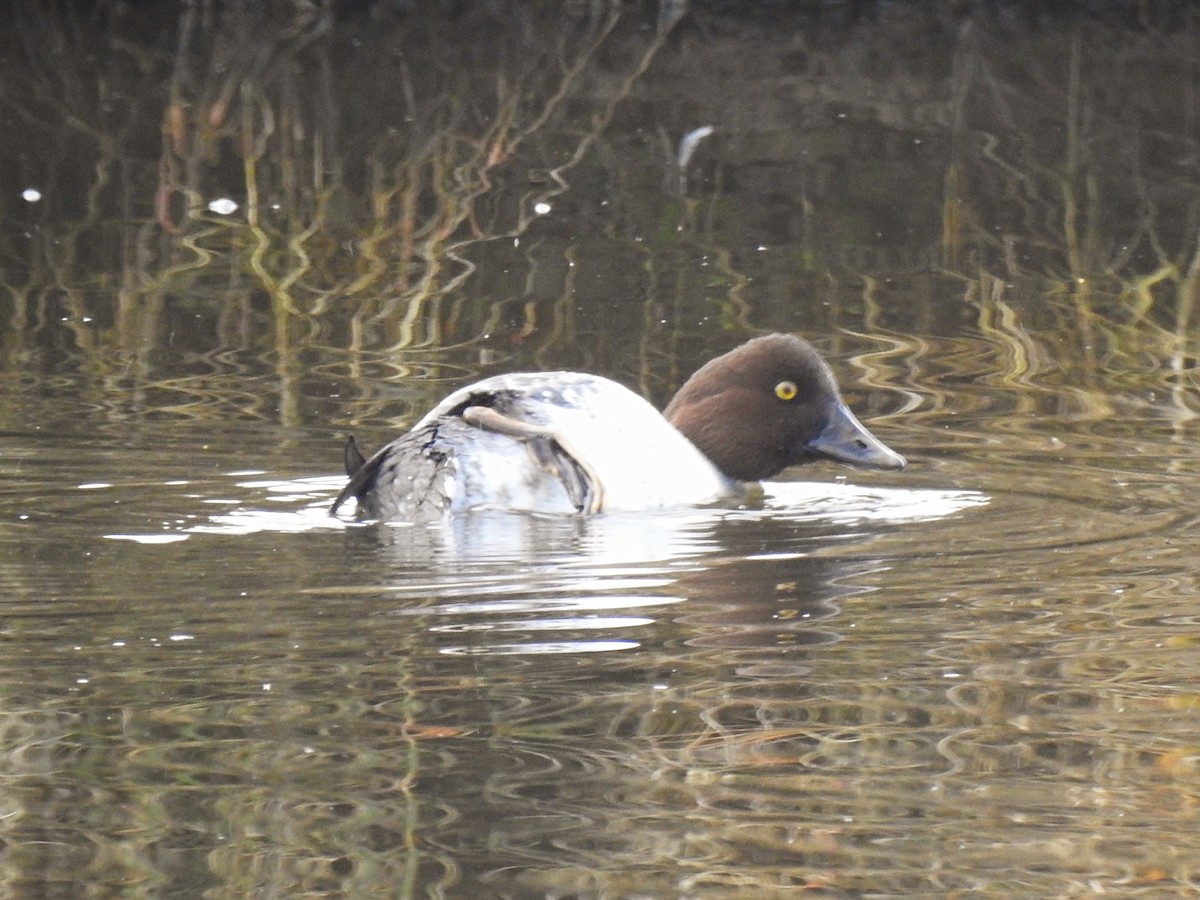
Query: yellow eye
(786,390)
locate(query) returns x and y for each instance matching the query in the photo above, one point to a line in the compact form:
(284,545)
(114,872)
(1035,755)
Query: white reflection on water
(584,622)
(846,503)
(579,613)
(541,604)
(549,647)
(587,621)
(148,538)
(579,576)
(303,505)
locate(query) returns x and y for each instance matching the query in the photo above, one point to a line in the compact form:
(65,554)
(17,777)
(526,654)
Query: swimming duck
(564,442)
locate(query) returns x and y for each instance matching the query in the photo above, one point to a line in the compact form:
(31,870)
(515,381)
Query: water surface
(979,675)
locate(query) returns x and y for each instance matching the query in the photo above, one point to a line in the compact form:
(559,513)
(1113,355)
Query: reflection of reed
(383,167)
(1077,189)
(363,166)
(423,190)
(1072,227)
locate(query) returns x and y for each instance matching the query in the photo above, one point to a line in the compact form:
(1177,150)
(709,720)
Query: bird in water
(565,442)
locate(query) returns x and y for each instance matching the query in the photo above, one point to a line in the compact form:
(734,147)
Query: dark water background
(232,233)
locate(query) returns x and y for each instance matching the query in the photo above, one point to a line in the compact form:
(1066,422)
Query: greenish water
(979,675)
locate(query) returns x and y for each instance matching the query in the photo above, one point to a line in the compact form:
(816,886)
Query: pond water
(231,237)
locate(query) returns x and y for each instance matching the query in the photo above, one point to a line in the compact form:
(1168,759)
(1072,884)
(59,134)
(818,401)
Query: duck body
(569,443)
(452,461)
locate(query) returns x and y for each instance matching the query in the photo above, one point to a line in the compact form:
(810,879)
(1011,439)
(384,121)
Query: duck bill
(846,440)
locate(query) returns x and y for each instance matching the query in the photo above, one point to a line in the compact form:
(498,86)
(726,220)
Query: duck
(579,444)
